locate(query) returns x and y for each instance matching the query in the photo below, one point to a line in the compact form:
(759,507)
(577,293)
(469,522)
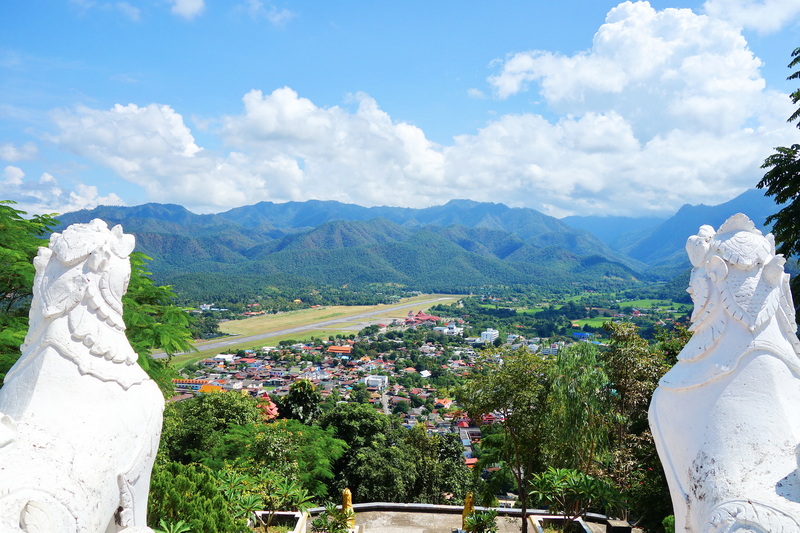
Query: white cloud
(12,153)
(12,176)
(86,197)
(362,156)
(152,147)
(763,16)
(187,9)
(256,9)
(659,69)
(46,195)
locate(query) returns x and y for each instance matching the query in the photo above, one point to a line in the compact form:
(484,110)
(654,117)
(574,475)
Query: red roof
(340,349)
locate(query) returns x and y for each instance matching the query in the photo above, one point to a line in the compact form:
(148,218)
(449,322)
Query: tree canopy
(20,239)
(782,180)
(515,385)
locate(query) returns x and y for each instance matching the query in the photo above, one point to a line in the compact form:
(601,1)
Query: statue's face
(698,290)
(116,276)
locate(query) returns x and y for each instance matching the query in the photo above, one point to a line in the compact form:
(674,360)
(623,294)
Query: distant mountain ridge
(450,247)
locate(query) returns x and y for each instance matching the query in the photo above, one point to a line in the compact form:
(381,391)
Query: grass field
(267,323)
(642,304)
(596,322)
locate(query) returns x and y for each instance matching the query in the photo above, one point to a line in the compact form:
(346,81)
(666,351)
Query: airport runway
(240,339)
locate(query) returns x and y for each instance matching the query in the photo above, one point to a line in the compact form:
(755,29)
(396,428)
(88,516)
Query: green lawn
(596,322)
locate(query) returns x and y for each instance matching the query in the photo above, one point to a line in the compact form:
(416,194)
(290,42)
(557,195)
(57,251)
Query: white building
(379,382)
(489,335)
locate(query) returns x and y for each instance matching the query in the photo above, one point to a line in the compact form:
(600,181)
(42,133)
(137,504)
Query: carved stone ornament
(80,421)
(726,417)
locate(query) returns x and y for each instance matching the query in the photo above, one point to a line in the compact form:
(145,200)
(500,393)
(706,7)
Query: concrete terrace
(382,517)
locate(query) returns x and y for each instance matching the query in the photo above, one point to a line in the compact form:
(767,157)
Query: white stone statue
(80,421)
(726,417)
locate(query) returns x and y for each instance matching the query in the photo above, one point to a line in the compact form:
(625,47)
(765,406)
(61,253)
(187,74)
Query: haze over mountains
(457,246)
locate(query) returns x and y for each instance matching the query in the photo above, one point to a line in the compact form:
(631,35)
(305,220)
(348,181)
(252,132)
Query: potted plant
(332,520)
(481,522)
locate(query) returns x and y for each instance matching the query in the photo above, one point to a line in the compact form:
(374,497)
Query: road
(238,339)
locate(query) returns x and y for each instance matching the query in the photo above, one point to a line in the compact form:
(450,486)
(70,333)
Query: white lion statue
(80,421)
(726,417)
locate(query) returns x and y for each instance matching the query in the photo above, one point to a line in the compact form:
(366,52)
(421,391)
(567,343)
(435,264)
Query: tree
(581,408)
(634,368)
(317,450)
(372,438)
(514,385)
(401,407)
(151,319)
(360,394)
(573,493)
(782,181)
(20,239)
(195,428)
(303,402)
(189,493)
(439,466)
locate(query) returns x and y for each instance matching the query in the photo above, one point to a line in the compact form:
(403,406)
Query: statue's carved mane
(77,300)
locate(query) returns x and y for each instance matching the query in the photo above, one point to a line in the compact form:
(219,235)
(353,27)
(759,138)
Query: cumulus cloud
(12,153)
(359,156)
(151,146)
(45,195)
(763,16)
(660,69)
(187,9)
(12,176)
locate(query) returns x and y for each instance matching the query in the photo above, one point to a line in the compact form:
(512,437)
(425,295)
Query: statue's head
(82,277)
(84,257)
(736,270)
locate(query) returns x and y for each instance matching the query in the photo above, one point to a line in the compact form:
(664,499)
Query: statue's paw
(35,517)
(8,430)
(750,517)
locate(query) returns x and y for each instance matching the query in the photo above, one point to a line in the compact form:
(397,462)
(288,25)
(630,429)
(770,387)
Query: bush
(481,522)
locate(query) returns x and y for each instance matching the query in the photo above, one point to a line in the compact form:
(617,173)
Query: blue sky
(572,107)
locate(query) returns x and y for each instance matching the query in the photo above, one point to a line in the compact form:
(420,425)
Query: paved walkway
(405,522)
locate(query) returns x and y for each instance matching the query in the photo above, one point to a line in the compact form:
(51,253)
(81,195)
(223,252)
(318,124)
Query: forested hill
(660,243)
(455,247)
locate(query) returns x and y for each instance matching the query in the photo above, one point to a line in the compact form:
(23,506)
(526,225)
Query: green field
(649,304)
(596,322)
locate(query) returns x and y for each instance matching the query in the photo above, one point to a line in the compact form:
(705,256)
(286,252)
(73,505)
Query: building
(490,335)
(379,382)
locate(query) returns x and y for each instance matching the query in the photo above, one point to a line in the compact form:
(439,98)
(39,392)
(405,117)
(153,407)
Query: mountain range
(458,246)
